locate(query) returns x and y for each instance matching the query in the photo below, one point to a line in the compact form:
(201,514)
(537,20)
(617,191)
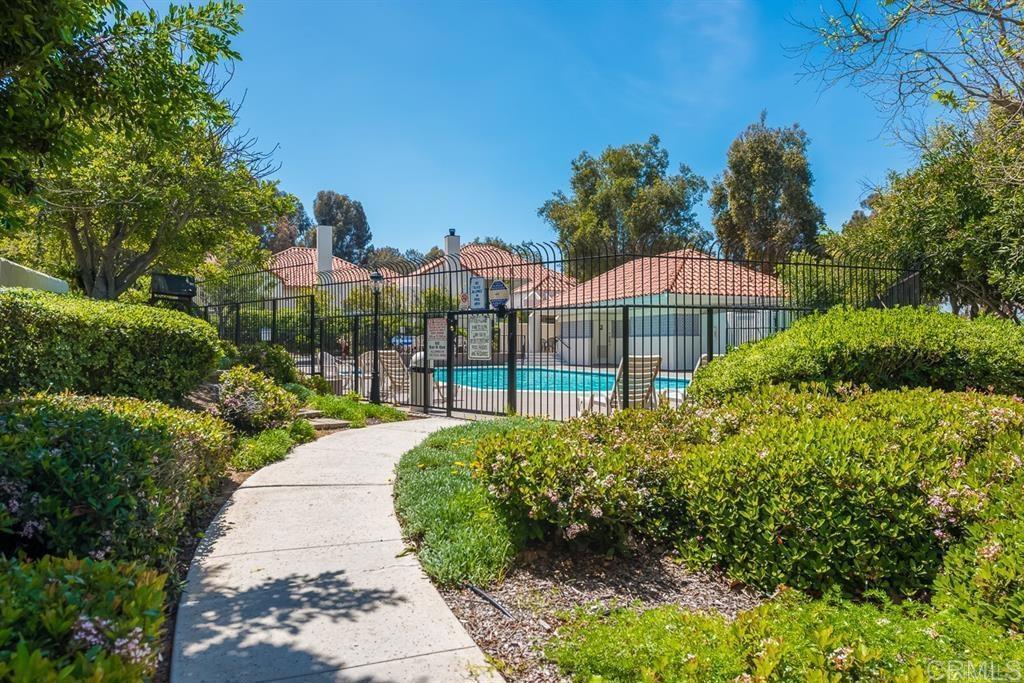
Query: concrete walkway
(302,577)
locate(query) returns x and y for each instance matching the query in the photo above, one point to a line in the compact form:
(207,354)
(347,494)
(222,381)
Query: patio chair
(642,372)
(395,371)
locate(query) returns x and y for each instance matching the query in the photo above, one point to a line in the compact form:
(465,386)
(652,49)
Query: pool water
(544,379)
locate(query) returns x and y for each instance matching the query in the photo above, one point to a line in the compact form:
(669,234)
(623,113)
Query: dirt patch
(547,584)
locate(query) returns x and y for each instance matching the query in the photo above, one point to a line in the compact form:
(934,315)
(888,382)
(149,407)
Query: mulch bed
(547,584)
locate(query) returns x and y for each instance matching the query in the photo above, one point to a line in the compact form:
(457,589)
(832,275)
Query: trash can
(417,370)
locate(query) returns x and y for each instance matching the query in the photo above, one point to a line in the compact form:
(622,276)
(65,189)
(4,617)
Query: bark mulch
(548,584)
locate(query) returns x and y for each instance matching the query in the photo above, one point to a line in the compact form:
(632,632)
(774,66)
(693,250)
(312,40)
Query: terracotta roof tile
(296,267)
(686,271)
(494,262)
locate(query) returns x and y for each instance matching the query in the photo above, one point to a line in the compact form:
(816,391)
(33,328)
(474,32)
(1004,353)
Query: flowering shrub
(252,402)
(814,488)
(61,342)
(885,349)
(79,620)
(272,360)
(983,576)
(103,477)
(789,638)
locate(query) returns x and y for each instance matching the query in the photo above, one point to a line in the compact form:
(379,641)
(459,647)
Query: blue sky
(466,115)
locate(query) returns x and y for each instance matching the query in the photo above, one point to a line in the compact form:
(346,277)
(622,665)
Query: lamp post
(376,279)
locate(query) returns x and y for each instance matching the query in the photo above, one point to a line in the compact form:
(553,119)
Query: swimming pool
(544,379)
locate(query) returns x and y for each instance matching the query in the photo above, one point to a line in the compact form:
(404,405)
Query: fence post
(511,353)
(711,334)
(322,364)
(273,321)
(625,358)
(238,324)
(356,378)
(427,374)
(312,334)
(449,398)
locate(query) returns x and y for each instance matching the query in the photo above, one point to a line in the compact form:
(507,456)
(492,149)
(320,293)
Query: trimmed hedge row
(104,477)
(79,620)
(59,342)
(884,349)
(849,488)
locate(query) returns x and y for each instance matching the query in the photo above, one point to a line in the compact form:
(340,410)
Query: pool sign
(477,294)
(498,294)
(437,339)
(480,327)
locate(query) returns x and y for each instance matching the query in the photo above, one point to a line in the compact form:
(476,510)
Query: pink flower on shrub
(841,658)
(991,551)
(133,648)
(89,633)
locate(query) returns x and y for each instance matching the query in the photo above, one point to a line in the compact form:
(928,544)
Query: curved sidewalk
(302,577)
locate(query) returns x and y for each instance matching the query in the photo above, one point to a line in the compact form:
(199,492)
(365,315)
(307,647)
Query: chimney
(324,257)
(451,244)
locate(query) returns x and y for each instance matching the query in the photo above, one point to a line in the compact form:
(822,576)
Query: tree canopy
(66,62)
(292,228)
(625,200)
(964,233)
(352,236)
(761,205)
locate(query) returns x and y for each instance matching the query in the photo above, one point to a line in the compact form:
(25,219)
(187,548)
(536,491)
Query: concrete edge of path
(303,576)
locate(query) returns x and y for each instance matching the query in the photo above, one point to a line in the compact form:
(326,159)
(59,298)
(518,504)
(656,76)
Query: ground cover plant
(79,620)
(104,477)
(789,638)
(849,488)
(270,446)
(61,342)
(461,533)
(352,408)
(884,349)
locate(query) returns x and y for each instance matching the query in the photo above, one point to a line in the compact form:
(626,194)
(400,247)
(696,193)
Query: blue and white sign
(477,294)
(498,294)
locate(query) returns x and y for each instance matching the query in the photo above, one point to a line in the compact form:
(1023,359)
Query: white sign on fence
(437,339)
(477,294)
(480,327)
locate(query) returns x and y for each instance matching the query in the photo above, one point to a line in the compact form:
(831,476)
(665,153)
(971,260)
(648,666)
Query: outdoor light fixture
(376,280)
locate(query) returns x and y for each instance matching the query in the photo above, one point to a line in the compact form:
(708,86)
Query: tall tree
(963,233)
(130,197)
(290,229)
(967,55)
(761,206)
(130,205)
(66,61)
(352,234)
(625,200)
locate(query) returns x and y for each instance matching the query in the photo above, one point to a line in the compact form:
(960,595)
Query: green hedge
(788,639)
(104,477)
(847,488)
(270,446)
(251,401)
(272,360)
(79,620)
(60,342)
(885,349)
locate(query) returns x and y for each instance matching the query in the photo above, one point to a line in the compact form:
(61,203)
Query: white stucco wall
(16,275)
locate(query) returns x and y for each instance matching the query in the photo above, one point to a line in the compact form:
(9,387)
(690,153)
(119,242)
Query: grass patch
(270,446)
(462,533)
(790,638)
(355,411)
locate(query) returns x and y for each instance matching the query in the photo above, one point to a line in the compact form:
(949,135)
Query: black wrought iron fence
(533,330)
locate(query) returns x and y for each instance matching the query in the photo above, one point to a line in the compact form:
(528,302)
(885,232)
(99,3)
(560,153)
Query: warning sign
(437,338)
(480,328)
